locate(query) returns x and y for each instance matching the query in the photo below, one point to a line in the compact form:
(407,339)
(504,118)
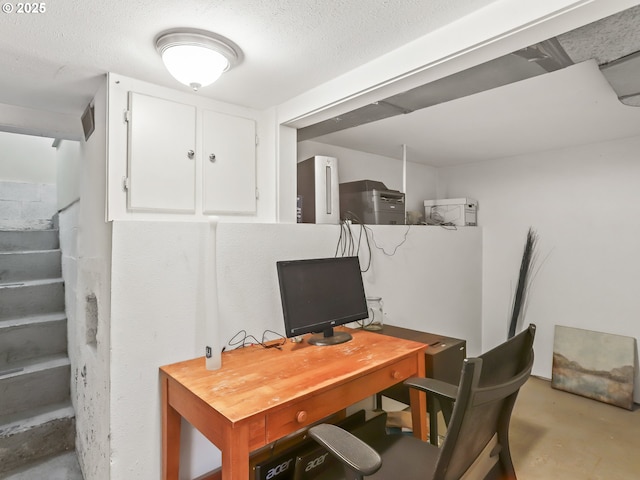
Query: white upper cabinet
(229,163)
(161,157)
(186,159)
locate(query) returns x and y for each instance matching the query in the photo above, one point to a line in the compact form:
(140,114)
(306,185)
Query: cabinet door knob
(301,416)
(190,153)
(212,157)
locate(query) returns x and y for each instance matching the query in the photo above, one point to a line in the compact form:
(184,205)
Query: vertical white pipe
(404,169)
(404,178)
(213,343)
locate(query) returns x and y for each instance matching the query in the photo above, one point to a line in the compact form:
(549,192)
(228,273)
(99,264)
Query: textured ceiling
(605,40)
(53,60)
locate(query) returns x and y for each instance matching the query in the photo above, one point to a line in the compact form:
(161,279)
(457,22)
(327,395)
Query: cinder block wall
(26,205)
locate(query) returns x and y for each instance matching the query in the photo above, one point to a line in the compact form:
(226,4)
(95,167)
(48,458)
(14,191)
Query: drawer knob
(301,416)
(396,375)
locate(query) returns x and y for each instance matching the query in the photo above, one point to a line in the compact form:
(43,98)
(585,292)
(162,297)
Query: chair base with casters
(476,444)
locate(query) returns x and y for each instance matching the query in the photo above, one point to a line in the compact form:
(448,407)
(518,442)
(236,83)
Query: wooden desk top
(434,341)
(245,386)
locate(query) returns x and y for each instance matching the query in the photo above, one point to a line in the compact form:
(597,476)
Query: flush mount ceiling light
(197,58)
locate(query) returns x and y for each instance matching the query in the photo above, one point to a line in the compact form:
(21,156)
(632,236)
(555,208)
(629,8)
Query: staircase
(36,416)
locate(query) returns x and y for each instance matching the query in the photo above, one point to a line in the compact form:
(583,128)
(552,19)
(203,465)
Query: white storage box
(451,211)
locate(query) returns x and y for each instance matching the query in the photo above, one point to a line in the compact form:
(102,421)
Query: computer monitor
(319,294)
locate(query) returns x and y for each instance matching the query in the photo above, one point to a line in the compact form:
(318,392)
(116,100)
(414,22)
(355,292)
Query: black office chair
(476,445)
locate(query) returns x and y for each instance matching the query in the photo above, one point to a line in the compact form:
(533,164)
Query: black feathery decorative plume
(523,280)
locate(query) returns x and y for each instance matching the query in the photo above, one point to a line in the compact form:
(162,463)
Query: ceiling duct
(548,54)
(614,42)
(529,62)
(624,76)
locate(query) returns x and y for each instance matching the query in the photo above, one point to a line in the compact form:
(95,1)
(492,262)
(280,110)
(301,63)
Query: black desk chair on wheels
(476,445)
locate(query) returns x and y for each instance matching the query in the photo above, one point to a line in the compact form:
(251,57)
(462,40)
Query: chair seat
(405,458)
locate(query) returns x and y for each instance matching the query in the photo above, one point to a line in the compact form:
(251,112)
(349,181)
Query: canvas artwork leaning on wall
(596,365)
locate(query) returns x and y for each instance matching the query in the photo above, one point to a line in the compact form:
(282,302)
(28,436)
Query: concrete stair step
(20,240)
(31,337)
(36,417)
(35,383)
(32,297)
(35,434)
(60,466)
(29,265)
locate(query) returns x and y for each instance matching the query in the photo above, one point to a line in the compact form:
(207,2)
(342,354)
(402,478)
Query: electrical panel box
(452,211)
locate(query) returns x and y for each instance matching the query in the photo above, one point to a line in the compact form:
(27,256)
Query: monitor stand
(329,337)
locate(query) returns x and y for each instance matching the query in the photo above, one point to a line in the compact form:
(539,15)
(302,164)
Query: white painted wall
(27,181)
(584,203)
(26,205)
(86,254)
(27,159)
(68,161)
(355,165)
(421,284)
(433,282)
(157,311)
(156,319)
(69,226)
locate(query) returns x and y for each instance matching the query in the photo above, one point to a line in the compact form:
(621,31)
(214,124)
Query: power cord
(395,249)
(243,339)
(346,245)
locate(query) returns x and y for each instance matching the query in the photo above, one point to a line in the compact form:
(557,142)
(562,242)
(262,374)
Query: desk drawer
(314,408)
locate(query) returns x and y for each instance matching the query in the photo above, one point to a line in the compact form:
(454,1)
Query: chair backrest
(477,436)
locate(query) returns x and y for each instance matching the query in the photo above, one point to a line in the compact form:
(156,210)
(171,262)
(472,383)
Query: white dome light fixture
(197,58)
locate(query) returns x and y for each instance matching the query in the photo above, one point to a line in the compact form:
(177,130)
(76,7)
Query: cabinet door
(162,138)
(229,164)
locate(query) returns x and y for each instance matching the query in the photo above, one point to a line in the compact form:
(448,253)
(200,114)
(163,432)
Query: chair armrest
(431,385)
(347,448)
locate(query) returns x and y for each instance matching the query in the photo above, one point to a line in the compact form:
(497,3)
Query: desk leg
(419,405)
(235,454)
(171,421)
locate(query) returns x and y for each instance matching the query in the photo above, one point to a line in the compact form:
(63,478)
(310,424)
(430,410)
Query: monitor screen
(318,294)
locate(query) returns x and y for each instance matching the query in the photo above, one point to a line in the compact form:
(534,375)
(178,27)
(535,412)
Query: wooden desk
(260,395)
(443,361)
